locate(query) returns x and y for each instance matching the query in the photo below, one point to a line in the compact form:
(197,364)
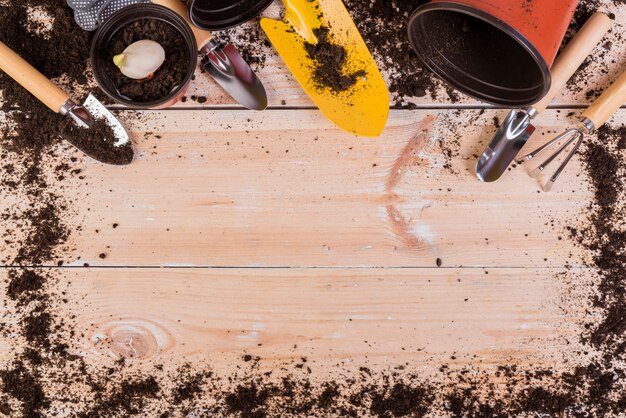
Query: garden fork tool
(517,128)
(595,116)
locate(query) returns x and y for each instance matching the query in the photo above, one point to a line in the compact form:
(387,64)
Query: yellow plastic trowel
(361,109)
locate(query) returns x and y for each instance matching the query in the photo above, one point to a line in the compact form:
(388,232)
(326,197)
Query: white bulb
(140,59)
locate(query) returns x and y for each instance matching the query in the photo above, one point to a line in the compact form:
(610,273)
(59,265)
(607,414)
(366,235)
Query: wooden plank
(285,188)
(377,318)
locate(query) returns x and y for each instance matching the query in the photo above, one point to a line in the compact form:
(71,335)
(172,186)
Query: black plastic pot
(224,14)
(118,21)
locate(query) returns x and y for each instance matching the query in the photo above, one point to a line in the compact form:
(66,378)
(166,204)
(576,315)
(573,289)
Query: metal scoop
(59,101)
(225,64)
(595,116)
(517,127)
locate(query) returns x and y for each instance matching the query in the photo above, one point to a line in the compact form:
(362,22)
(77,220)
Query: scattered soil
(24,284)
(21,383)
(250,40)
(330,60)
(129,398)
(382,24)
(401,400)
(42,369)
(605,162)
(99,142)
(167,78)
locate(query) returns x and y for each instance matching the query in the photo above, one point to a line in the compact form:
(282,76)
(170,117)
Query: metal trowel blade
(98,111)
(117,151)
(229,69)
(505,145)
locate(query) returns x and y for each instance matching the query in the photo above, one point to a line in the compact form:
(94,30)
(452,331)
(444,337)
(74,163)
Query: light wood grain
(366,317)
(285,188)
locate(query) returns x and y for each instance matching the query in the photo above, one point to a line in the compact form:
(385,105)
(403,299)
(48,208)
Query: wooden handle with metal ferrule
(31,79)
(576,51)
(607,104)
(202,36)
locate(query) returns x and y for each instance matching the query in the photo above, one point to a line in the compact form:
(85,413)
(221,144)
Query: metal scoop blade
(98,111)
(228,68)
(505,145)
(100,146)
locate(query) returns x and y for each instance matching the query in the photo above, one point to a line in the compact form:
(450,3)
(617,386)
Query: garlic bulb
(140,59)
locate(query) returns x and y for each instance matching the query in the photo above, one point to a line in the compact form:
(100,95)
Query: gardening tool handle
(31,79)
(202,36)
(574,54)
(607,104)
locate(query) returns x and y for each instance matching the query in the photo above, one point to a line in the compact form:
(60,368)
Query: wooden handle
(574,54)
(607,104)
(31,79)
(202,36)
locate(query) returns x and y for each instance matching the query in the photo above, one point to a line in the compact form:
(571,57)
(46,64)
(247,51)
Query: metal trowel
(59,101)
(517,127)
(361,109)
(225,64)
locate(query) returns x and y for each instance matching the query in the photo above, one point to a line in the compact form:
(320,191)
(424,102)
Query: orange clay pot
(499,51)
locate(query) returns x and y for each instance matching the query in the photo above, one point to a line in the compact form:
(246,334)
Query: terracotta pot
(120,19)
(499,51)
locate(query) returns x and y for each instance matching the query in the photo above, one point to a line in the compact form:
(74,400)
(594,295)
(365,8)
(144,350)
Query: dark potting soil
(330,59)
(24,385)
(382,24)
(250,40)
(98,141)
(168,77)
(128,398)
(605,161)
(23,285)
(402,400)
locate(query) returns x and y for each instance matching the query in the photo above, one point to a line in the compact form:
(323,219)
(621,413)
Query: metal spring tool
(595,116)
(517,128)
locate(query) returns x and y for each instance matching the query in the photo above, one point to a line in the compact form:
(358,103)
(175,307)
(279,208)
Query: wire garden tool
(517,127)
(595,116)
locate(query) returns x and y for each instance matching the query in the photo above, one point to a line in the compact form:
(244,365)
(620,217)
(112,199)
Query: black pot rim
(223,23)
(120,19)
(532,51)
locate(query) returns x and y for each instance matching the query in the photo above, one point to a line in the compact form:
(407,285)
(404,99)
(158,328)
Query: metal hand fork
(517,128)
(595,116)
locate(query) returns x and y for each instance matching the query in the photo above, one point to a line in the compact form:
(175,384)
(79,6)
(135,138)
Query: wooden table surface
(241,232)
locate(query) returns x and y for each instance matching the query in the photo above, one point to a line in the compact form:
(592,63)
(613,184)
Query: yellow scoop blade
(361,109)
